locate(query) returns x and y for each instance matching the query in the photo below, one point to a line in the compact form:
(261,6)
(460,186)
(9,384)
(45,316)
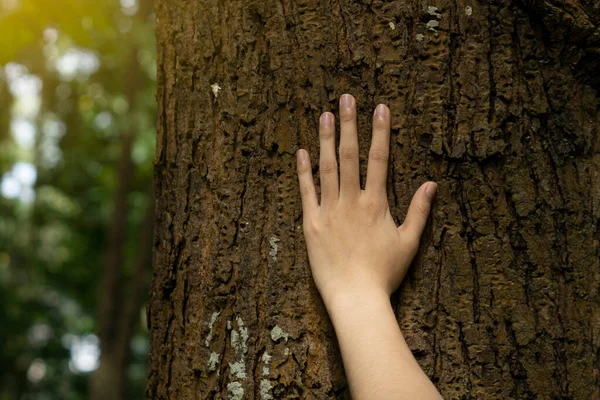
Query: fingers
(328,167)
(418,211)
(379,153)
(307,186)
(349,165)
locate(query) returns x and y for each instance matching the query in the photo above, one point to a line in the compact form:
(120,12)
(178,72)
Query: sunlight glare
(85,353)
(77,62)
(23,131)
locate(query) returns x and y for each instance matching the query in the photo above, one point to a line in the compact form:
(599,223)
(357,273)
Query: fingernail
(327,119)
(346,101)
(430,189)
(301,155)
(381,111)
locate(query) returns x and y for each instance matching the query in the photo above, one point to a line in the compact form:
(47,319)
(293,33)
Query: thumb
(418,211)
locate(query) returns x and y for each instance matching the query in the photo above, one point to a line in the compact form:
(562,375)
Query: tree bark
(495,101)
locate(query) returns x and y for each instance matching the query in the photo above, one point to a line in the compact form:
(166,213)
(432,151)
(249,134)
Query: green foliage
(23,24)
(52,248)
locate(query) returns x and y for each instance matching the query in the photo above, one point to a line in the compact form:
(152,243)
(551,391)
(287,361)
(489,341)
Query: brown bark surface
(496,101)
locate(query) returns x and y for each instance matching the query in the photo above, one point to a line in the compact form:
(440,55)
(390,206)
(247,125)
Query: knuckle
(302,169)
(305,190)
(349,214)
(379,156)
(348,153)
(326,133)
(328,222)
(375,207)
(328,166)
(346,115)
(423,210)
(310,227)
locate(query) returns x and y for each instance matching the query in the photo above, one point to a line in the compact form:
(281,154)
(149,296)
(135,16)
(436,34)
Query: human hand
(352,240)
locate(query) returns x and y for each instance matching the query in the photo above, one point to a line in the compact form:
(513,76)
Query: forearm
(377,360)
(354,243)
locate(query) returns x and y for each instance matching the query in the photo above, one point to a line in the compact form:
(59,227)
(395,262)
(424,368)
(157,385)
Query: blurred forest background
(77,116)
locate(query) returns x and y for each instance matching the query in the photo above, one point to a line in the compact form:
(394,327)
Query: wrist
(354,298)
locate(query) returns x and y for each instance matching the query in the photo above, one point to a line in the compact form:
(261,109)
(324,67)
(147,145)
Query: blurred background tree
(77,115)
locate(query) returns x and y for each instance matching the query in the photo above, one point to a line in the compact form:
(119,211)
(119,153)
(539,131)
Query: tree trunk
(495,101)
(119,299)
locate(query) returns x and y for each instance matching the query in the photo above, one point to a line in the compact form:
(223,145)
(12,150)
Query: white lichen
(431,10)
(431,25)
(278,333)
(212,321)
(419,37)
(266,359)
(239,343)
(215,89)
(238,369)
(236,391)
(244,334)
(468,10)
(273,252)
(235,340)
(213,361)
(286,352)
(392,26)
(265,390)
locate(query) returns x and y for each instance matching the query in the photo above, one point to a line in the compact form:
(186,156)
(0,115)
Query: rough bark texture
(496,101)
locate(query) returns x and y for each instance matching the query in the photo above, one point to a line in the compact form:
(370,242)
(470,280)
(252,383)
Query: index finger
(379,153)
(308,193)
